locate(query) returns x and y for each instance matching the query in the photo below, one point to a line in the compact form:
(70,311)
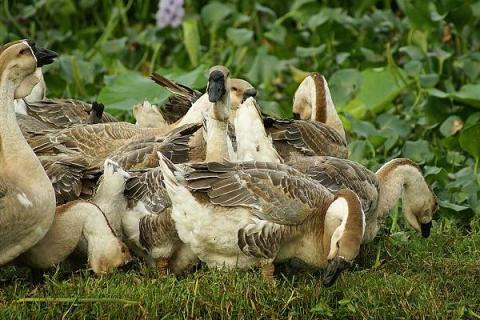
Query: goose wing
(272,195)
(307,137)
(64,113)
(181,99)
(70,175)
(337,174)
(148,188)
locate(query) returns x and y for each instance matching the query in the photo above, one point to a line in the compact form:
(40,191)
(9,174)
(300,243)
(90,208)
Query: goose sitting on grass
(27,199)
(378,192)
(242,215)
(83,226)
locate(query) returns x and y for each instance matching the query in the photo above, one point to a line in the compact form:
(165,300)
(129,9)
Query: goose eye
(24,51)
(234,89)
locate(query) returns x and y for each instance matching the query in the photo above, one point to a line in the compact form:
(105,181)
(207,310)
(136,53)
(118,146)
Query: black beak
(334,268)
(426,229)
(44,56)
(296,116)
(216,86)
(250,92)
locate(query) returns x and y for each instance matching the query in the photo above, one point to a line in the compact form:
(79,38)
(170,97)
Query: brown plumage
(297,138)
(64,113)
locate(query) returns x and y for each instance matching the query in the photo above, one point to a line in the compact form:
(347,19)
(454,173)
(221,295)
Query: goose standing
(27,199)
(244,215)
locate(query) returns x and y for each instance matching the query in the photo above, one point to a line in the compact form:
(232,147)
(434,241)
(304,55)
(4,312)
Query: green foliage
(405,75)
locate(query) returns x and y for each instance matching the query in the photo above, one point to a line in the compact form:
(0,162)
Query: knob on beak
(43,56)
(250,92)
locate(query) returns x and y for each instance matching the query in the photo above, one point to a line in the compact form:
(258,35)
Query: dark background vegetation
(404,76)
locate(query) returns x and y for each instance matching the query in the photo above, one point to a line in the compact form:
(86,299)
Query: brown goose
(27,200)
(312,101)
(235,217)
(378,191)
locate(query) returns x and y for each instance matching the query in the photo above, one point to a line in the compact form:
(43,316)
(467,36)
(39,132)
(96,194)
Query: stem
(475,169)
(81,300)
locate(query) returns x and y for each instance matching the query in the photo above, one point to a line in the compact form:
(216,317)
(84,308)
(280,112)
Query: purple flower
(170,13)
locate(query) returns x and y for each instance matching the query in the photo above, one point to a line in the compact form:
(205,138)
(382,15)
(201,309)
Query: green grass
(396,278)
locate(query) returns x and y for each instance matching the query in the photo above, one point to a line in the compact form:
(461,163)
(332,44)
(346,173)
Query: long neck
(323,108)
(216,140)
(253,143)
(109,197)
(14,149)
(394,177)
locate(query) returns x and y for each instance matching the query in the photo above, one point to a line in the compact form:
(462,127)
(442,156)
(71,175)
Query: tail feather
(171,174)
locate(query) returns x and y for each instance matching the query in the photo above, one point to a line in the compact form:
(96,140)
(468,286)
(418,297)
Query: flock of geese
(209,178)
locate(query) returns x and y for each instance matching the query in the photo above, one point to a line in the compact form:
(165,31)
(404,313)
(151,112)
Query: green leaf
(429,80)
(378,89)
(214,13)
(451,125)
(309,52)
(239,37)
(469,94)
(344,84)
(277,33)
(197,78)
(129,89)
(418,151)
(318,19)
(469,140)
(264,67)
(191,40)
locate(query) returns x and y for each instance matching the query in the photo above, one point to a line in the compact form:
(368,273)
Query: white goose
(240,215)
(27,199)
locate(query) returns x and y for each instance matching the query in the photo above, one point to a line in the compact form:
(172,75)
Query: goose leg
(267,268)
(162,266)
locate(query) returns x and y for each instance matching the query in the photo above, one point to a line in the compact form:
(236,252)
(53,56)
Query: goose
(378,192)
(148,116)
(74,172)
(254,214)
(27,199)
(83,226)
(183,97)
(312,101)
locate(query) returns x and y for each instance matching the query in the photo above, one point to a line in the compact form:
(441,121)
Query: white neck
(194,114)
(215,135)
(109,197)
(253,143)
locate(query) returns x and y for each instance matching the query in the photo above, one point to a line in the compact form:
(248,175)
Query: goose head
(147,115)
(108,255)
(240,90)
(419,208)
(346,238)
(218,90)
(403,177)
(310,101)
(18,63)
(112,183)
